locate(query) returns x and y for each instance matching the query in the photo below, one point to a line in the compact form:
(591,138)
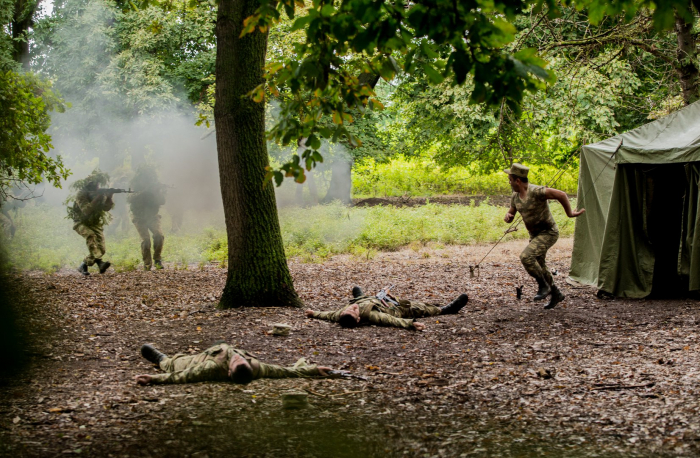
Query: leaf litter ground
(502,378)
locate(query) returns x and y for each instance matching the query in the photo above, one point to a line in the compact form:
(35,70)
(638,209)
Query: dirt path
(502,378)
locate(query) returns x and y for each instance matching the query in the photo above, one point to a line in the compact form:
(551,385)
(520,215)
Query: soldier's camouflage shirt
(373,311)
(88,213)
(146,203)
(534,210)
(212,366)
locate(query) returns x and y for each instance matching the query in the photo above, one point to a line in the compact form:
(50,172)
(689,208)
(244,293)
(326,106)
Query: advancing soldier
(389,311)
(145,204)
(220,363)
(531,201)
(90,212)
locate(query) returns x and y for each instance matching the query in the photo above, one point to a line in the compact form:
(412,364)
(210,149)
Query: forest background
(116,84)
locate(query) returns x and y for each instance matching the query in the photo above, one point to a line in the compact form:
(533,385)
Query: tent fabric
(611,250)
(689,255)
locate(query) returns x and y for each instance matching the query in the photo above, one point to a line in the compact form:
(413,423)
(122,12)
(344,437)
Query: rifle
(110,191)
(346,374)
(384,296)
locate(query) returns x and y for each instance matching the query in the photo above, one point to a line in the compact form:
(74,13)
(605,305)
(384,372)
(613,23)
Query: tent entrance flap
(665,187)
(641,243)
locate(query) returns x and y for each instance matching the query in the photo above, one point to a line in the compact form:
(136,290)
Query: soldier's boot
(455,306)
(357,292)
(103,265)
(158,264)
(83,269)
(543,291)
(150,352)
(557,297)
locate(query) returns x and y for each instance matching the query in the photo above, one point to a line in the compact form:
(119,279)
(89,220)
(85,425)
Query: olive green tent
(641,229)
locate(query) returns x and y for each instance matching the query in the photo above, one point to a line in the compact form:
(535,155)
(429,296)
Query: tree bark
(258,274)
(687,55)
(22,20)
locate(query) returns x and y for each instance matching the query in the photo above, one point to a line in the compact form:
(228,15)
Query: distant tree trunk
(313,190)
(687,56)
(22,20)
(341,181)
(257,267)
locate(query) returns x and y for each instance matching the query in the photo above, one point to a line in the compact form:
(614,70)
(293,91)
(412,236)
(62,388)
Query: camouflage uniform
(543,230)
(88,218)
(373,311)
(212,365)
(144,209)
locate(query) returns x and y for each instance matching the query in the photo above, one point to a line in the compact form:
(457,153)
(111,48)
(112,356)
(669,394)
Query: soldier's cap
(518,170)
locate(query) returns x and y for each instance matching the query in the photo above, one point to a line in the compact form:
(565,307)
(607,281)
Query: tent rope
(474,270)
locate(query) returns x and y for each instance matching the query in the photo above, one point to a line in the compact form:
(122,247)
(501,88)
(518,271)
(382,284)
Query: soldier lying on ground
(220,363)
(399,313)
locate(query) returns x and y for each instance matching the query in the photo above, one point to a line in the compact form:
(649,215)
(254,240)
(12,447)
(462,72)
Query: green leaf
(434,76)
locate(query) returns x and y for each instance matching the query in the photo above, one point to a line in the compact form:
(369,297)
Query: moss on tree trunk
(257,267)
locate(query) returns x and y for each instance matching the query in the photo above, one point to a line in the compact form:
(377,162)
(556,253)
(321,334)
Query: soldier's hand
(509,217)
(323,371)
(576,213)
(143,379)
(309,313)
(418,326)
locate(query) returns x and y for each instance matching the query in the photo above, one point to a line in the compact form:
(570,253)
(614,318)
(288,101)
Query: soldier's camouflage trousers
(94,239)
(415,309)
(533,256)
(143,226)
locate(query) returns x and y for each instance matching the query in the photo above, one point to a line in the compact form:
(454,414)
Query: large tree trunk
(257,267)
(687,55)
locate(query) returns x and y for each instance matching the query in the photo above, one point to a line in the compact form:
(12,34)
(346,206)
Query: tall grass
(423,177)
(46,241)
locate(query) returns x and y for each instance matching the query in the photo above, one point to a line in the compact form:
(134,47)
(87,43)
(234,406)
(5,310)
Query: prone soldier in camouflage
(391,311)
(532,203)
(220,363)
(90,213)
(145,204)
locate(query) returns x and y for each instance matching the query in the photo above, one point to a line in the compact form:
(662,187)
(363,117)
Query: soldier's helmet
(91,181)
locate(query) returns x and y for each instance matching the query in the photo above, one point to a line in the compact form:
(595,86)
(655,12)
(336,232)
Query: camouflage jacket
(372,311)
(146,203)
(212,366)
(88,213)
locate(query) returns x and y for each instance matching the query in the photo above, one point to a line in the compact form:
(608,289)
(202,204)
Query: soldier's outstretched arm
(275,371)
(328,316)
(563,199)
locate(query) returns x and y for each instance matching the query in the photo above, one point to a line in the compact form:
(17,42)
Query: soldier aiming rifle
(90,213)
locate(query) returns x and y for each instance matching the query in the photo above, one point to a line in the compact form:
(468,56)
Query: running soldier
(388,311)
(532,203)
(145,204)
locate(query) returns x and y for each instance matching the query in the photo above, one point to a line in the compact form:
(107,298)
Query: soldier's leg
(415,309)
(158,238)
(546,241)
(100,243)
(91,241)
(142,229)
(532,258)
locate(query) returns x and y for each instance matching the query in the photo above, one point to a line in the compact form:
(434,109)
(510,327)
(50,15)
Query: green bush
(423,177)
